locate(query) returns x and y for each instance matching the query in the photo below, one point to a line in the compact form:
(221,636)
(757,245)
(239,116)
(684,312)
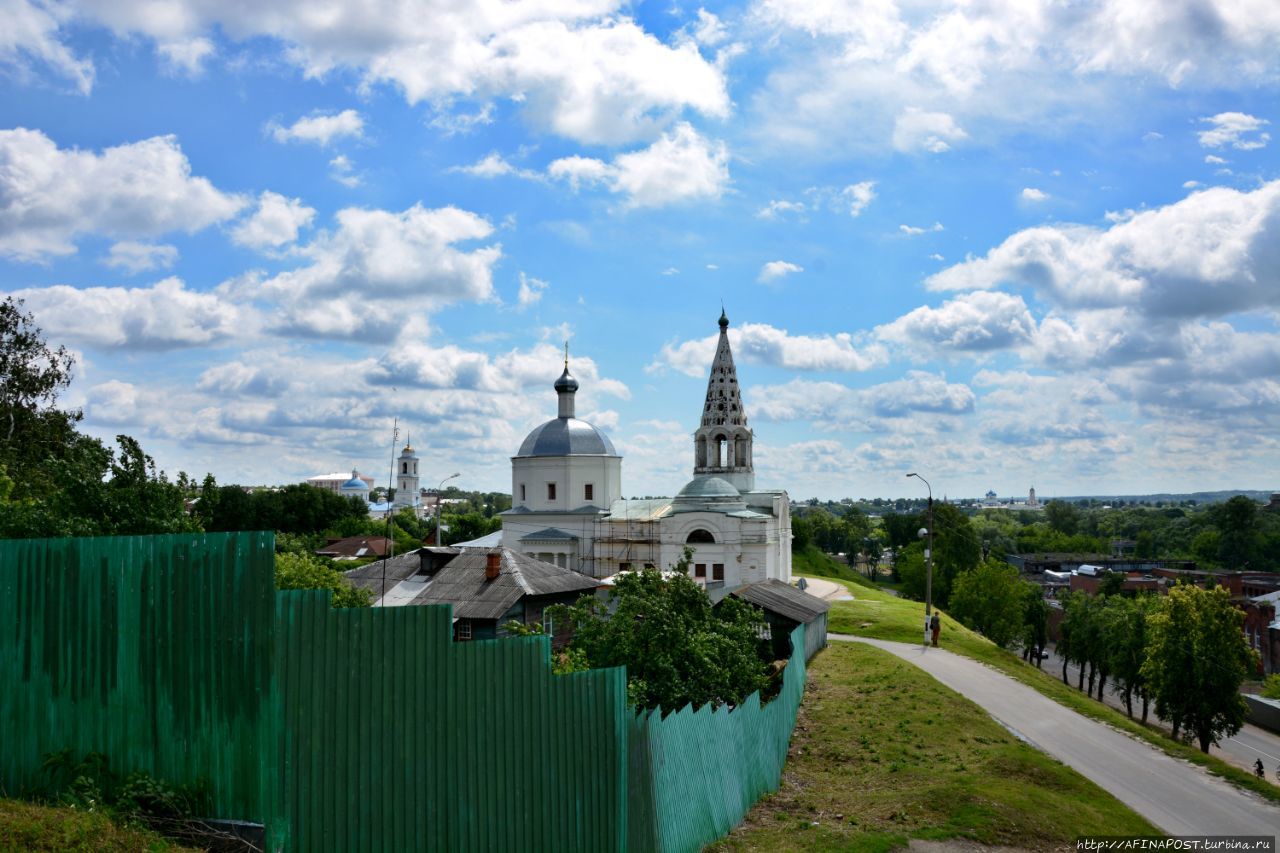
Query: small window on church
(522,494)
(700,535)
(588,492)
(624,567)
(404,466)
(551,491)
(717,571)
(700,570)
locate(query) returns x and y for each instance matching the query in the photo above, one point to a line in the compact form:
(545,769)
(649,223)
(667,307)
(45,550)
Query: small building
(784,608)
(487,589)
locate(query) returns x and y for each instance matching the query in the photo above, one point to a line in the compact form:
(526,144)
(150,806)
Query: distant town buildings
(992,501)
(336,481)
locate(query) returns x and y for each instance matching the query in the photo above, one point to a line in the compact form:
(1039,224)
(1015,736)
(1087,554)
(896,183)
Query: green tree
(677,649)
(1237,522)
(303,571)
(1035,622)
(1062,517)
(1124,632)
(990,599)
(1197,658)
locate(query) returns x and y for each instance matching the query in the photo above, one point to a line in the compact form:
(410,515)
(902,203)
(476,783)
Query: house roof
(783,599)
(398,568)
(356,546)
(463,584)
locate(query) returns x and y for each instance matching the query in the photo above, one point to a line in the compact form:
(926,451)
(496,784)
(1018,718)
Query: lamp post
(439,537)
(928,554)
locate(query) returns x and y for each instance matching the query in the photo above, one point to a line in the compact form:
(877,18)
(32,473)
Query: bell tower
(407,477)
(722,443)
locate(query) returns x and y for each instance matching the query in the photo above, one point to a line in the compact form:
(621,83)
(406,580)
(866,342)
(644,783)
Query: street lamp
(439,537)
(928,554)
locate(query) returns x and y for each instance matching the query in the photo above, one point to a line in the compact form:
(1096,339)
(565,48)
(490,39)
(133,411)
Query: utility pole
(439,538)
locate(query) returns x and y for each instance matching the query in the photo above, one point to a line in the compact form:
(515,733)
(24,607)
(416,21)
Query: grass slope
(31,827)
(875,613)
(883,753)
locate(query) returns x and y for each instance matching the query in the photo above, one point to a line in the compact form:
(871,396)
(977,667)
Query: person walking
(935,627)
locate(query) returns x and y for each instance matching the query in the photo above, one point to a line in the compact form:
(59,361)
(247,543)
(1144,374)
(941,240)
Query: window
(551,491)
(648,565)
(404,467)
(700,570)
(588,492)
(464,629)
(717,571)
(701,535)
(548,624)
(522,495)
(624,567)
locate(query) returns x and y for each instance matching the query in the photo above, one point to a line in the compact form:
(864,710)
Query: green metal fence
(398,739)
(154,651)
(698,771)
(351,730)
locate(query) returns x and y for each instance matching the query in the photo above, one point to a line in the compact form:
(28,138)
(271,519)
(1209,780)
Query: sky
(1001,243)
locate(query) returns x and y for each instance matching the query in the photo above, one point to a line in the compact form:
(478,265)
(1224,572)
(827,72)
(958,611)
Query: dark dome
(566,382)
(566,437)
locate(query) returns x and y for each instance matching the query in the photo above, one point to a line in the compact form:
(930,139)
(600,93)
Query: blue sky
(1004,244)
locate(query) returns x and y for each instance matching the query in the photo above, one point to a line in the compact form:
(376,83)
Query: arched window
(701,536)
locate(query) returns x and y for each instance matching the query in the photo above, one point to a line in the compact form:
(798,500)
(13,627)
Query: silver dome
(566,437)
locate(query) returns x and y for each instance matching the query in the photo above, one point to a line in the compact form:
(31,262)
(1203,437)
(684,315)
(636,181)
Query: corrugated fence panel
(152,650)
(396,738)
(704,769)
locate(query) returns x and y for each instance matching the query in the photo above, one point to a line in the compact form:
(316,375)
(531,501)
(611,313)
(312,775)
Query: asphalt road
(1241,749)
(1177,797)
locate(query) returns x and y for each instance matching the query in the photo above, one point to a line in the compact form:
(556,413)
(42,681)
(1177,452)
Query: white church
(568,509)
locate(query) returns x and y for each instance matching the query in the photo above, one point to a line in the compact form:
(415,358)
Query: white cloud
(186,57)
(680,166)
(859,195)
(162,317)
(760,343)
(49,196)
(912,231)
(671,271)
(341,170)
(493,165)
(709,30)
(1214,160)
(581,69)
(936,257)
(320,129)
(134,257)
(1032,194)
(376,260)
(775,270)
(777,207)
(1213,253)
(916,130)
(1238,130)
(421,365)
(832,405)
(1190,185)
(275,222)
(975,322)
(31,33)
(531,290)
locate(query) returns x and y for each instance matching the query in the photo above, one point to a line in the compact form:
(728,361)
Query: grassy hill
(32,827)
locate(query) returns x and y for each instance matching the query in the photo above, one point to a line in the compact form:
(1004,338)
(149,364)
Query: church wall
(570,474)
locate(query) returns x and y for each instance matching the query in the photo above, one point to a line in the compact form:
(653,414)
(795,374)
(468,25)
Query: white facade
(567,505)
(335,481)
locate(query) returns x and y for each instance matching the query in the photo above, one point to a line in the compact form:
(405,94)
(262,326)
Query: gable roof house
(489,588)
(784,608)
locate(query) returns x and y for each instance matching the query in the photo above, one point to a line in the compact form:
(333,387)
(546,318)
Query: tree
(33,432)
(1237,522)
(1035,621)
(990,600)
(1124,632)
(303,571)
(677,649)
(1196,659)
(1062,517)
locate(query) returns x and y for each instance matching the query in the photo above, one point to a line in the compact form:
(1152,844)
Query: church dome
(708,487)
(566,437)
(355,484)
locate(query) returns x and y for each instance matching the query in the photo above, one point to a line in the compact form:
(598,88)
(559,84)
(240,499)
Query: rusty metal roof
(463,584)
(783,599)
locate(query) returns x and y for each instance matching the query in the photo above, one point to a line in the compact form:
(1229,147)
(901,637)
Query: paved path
(1177,797)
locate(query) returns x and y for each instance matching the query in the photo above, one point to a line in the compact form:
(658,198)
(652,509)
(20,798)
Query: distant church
(568,509)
